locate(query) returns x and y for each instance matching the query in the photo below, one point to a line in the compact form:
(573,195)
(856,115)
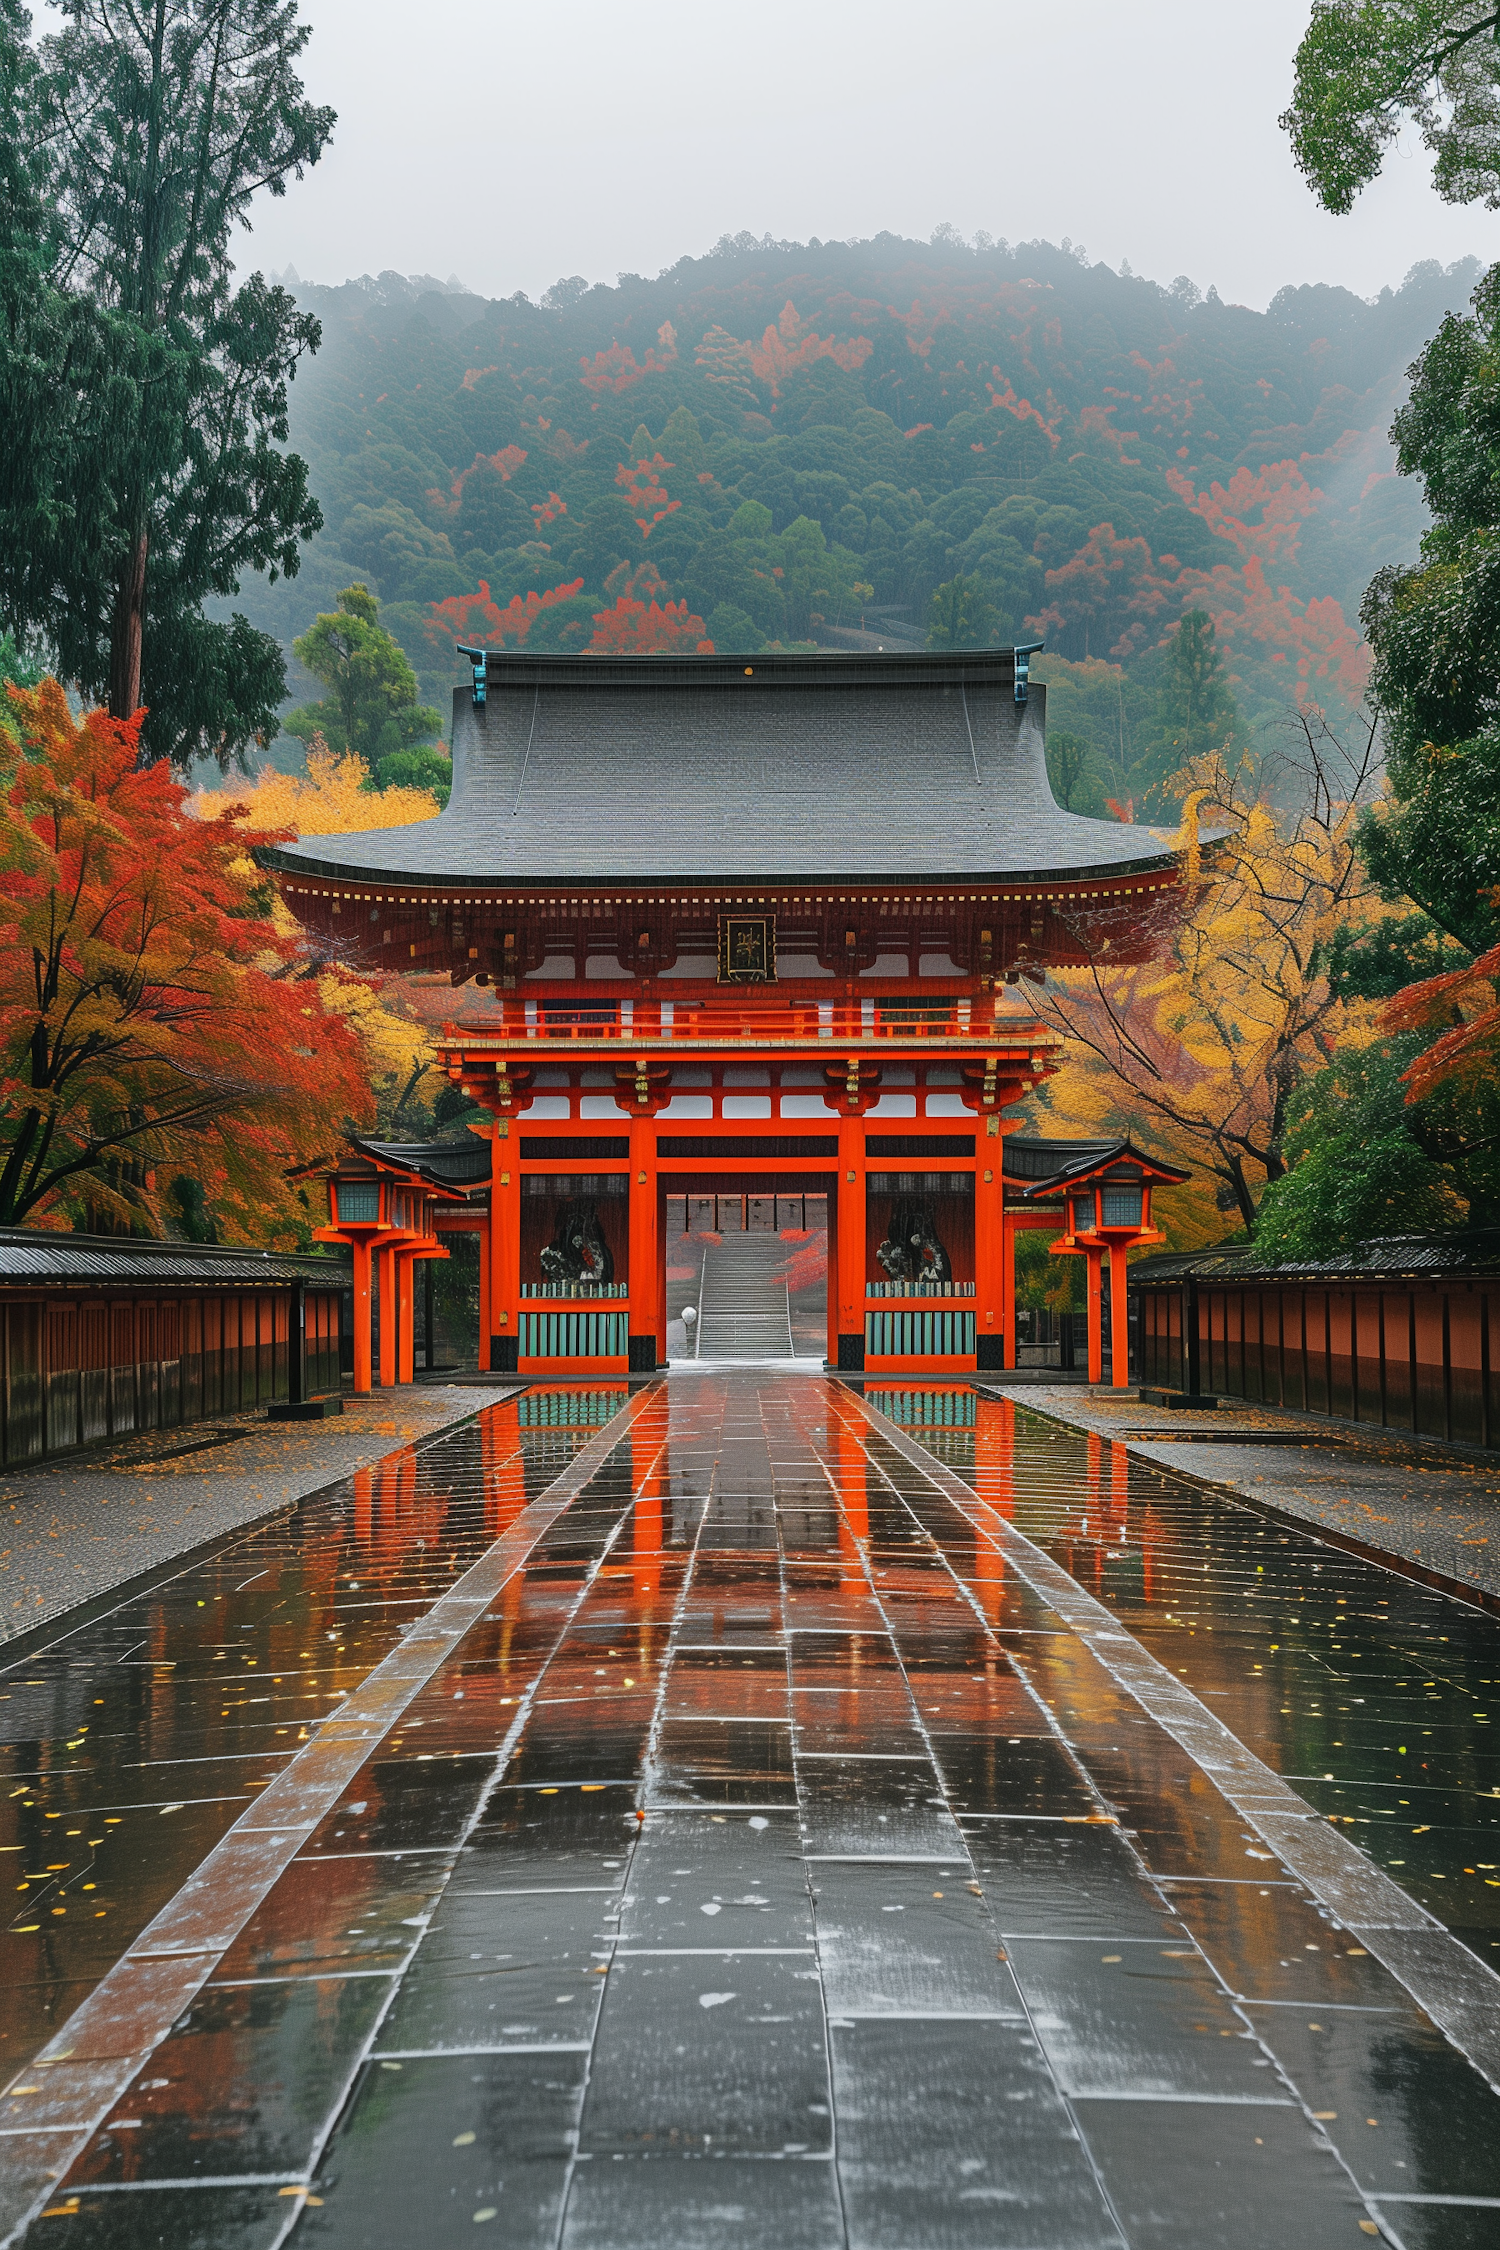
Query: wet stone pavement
(747,1813)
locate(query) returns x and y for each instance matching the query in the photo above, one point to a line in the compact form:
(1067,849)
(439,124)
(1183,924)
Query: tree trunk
(125,633)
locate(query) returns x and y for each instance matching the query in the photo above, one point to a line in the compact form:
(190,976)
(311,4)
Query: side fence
(1398,1351)
(79,1366)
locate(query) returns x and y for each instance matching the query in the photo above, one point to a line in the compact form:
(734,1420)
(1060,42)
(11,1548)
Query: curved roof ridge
(710,770)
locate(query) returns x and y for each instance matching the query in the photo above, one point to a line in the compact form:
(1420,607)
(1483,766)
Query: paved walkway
(721,1825)
(1435,1505)
(75,1528)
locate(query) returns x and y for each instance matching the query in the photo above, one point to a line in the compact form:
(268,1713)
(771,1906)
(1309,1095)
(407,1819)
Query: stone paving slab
(702,1882)
(76,1528)
(1433,1505)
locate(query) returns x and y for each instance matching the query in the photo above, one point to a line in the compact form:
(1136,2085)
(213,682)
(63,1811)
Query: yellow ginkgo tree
(1196,1052)
(332,798)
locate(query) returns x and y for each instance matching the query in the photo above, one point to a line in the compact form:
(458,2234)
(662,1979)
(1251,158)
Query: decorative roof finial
(478,658)
(1024,652)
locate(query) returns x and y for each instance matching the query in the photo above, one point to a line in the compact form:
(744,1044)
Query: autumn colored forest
(779,443)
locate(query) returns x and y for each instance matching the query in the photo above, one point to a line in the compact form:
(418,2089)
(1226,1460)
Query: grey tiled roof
(1071,1159)
(680,769)
(1468,1250)
(30,1255)
(455,1163)
(1022,1158)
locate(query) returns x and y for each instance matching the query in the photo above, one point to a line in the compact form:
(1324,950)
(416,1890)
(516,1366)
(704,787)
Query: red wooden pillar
(989,1264)
(503,1295)
(484,1298)
(1119,1328)
(361,1250)
(389,1316)
(406,1348)
(647,1285)
(851,1249)
(1095,1262)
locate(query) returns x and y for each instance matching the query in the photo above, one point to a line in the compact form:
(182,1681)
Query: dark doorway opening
(746,1273)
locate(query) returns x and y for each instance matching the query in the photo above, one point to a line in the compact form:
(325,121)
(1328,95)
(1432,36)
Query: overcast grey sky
(514,145)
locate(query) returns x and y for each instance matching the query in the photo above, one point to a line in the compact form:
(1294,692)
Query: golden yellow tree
(1197,1053)
(332,799)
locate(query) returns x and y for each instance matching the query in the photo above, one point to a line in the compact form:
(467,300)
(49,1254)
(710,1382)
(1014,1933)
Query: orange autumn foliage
(645,493)
(1278,494)
(479,618)
(1022,408)
(635,628)
(1124,599)
(505,464)
(154,1023)
(616,369)
(782,351)
(1466,1058)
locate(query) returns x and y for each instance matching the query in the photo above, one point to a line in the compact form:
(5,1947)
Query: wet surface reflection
(765,1861)
(1377,1698)
(129,1747)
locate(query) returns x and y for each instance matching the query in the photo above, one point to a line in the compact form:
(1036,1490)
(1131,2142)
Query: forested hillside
(779,443)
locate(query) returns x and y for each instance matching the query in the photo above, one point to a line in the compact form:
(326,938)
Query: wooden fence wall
(80,1366)
(1409,1355)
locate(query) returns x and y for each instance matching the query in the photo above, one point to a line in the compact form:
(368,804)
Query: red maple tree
(154,1021)
(645,492)
(479,618)
(504,463)
(635,628)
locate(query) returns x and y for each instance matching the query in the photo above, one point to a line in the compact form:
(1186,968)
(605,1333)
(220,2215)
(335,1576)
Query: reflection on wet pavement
(714,1825)
(1378,1699)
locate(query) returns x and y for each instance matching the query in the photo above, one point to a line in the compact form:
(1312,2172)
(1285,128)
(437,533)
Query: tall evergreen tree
(372,706)
(144,135)
(1435,631)
(1195,710)
(961,615)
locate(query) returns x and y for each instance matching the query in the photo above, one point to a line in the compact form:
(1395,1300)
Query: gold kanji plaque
(747,949)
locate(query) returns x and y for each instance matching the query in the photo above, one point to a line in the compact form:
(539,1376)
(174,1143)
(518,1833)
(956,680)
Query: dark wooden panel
(1315,1337)
(1431,1416)
(60,1376)
(1396,1327)
(24,1418)
(1369,1402)
(93,1372)
(1293,1353)
(1465,1367)
(1270,1346)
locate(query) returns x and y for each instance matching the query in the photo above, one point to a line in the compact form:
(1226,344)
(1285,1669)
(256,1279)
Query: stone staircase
(743,1312)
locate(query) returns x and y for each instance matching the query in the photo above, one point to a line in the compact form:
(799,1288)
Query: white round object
(689,1314)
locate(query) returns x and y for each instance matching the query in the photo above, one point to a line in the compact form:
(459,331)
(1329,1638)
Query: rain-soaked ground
(753,1820)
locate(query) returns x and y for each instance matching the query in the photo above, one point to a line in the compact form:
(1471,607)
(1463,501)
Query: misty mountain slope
(790,440)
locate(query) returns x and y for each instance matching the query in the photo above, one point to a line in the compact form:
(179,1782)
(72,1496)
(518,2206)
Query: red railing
(965,1021)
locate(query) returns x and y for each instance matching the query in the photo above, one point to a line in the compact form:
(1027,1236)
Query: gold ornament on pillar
(644,1087)
(854,1086)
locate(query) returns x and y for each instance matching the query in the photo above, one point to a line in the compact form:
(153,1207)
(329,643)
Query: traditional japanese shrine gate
(703,898)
